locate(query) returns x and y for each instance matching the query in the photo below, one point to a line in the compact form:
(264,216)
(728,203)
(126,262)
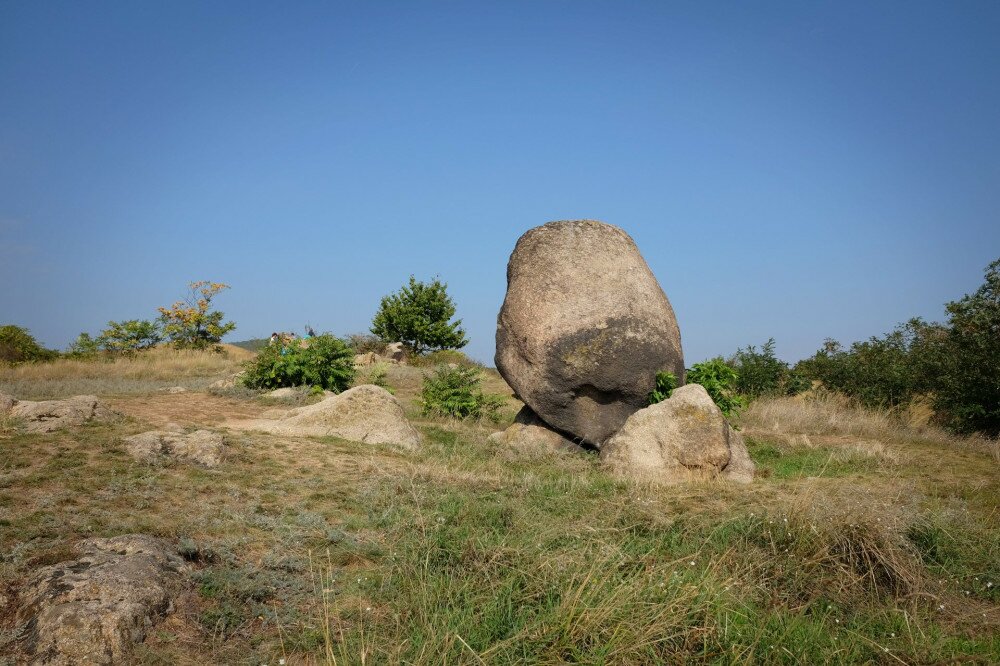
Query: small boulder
(95,608)
(203,447)
(174,389)
(50,415)
(227,383)
(364,360)
(529,434)
(7,403)
(684,437)
(395,351)
(367,414)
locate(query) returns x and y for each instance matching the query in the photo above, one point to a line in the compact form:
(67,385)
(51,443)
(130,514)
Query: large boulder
(685,437)
(367,414)
(94,609)
(584,327)
(49,415)
(202,447)
(529,434)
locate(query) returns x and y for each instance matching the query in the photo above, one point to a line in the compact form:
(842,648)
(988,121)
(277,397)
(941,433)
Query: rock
(7,403)
(203,447)
(227,383)
(529,434)
(367,414)
(49,415)
(286,392)
(364,360)
(395,351)
(175,389)
(94,609)
(684,437)
(584,327)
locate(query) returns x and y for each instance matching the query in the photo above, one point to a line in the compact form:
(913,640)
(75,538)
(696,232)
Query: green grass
(317,550)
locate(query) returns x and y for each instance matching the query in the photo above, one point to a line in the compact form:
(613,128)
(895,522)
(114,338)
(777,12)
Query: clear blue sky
(797,169)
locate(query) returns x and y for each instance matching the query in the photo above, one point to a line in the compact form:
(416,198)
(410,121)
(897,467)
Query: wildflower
(989,584)
(692,562)
(281,662)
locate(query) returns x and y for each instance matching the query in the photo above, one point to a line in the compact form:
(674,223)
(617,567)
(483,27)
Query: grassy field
(864,540)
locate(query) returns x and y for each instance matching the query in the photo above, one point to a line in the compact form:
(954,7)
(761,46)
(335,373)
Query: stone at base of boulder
(203,447)
(683,438)
(50,415)
(94,609)
(529,434)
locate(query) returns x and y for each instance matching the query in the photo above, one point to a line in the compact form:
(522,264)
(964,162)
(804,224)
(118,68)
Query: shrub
(363,343)
(17,345)
(326,361)
(191,323)
(969,390)
(666,382)
(719,380)
(759,372)
(443,357)
(419,316)
(128,337)
(455,392)
(84,347)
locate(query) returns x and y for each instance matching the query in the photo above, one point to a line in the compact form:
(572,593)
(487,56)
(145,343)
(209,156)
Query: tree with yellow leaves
(190,323)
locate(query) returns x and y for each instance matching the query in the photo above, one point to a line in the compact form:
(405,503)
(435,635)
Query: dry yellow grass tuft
(143,372)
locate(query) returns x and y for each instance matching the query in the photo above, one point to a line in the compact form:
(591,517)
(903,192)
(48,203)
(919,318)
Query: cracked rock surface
(202,447)
(50,415)
(95,608)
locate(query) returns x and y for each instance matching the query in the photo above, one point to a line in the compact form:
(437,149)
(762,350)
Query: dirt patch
(186,408)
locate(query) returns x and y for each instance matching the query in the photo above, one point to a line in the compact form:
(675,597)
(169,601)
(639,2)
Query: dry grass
(834,415)
(149,371)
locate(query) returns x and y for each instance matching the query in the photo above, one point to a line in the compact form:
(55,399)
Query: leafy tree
(759,372)
(666,382)
(128,337)
(455,392)
(969,390)
(191,323)
(84,346)
(17,345)
(325,361)
(419,316)
(719,380)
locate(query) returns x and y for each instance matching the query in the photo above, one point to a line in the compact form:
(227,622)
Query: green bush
(719,380)
(759,373)
(324,361)
(666,382)
(128,337)
(455,392)
(17,345)
(84,347)
(363,343)
(419,316)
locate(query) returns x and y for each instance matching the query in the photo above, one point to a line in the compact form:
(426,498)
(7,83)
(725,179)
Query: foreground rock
(584,327)
(50,415)
(367,414)
(529,434)
(202,447)
(683,438)
(94,609)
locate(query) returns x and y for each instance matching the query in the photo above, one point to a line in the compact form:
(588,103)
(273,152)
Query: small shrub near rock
(327,362)
(719,379)
(455,392)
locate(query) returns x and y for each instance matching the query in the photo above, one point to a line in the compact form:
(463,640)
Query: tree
(128,337)
(17,345)
(969,390)
(190,323)
(759,372)
(85,346)
(419,316)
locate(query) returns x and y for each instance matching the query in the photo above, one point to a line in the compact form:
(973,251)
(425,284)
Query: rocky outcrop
(682,438)
(201,447)
(395,351)
(584,328)
(94,609)
(529,434)
(367,414)
(50,415)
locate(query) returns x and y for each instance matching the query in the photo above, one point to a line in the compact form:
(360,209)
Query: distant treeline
(954,364)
